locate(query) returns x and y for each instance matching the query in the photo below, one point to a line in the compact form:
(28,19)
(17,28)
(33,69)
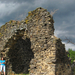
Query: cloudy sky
(64,17)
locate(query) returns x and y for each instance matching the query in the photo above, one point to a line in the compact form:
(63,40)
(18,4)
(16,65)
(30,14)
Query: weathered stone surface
(30,46)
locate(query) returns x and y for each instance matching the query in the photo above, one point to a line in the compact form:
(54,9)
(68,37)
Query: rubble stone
(30,46)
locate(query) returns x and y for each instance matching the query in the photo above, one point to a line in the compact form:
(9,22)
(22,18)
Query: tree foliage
(72,55)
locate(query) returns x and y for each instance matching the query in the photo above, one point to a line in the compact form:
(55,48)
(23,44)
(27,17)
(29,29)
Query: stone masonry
(30,46)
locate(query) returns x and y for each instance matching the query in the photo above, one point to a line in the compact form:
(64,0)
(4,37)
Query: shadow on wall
(20,55)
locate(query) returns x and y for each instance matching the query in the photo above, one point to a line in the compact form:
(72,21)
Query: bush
(72,55)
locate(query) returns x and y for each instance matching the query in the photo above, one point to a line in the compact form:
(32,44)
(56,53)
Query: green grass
(22,74)
(25,74)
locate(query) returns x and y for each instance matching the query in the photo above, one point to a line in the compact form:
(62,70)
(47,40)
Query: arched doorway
(18,53)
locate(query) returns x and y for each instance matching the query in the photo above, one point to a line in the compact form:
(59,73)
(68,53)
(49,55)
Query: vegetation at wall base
(21,74)
(72,55)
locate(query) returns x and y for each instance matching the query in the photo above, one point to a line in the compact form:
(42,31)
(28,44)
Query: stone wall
(73,67)
(32,42)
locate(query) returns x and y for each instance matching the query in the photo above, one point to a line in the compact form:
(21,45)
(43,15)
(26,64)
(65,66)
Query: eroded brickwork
(32,42)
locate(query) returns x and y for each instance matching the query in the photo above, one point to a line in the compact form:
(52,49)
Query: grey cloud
(63,34)
(16,1)
(69,45)
(64,18)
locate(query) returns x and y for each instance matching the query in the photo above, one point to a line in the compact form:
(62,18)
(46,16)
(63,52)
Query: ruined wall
(63,64)
(32,40)
(73,67)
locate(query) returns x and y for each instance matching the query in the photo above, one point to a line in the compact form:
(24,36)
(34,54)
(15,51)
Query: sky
(64,17)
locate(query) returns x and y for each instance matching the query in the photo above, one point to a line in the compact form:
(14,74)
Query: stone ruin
(73,68)
(29,46)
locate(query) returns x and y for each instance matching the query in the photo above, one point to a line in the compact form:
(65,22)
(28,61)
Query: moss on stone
(1,34)
(3,26)
(10,21)
(26,21)
(30,14)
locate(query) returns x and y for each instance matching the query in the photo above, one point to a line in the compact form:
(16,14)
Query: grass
(21,74)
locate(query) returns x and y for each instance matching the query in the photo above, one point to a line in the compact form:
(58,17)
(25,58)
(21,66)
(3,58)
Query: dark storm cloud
(17,1)
(64,17)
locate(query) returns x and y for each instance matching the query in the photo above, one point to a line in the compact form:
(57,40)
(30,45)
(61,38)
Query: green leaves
(72,55)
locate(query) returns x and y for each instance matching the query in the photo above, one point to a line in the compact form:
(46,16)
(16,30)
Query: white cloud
(65,34)
(58,33)
(69,45)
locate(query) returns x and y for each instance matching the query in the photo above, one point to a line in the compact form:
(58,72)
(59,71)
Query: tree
(72,55)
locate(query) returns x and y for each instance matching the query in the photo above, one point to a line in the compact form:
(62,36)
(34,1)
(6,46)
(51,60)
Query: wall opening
(19,54)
